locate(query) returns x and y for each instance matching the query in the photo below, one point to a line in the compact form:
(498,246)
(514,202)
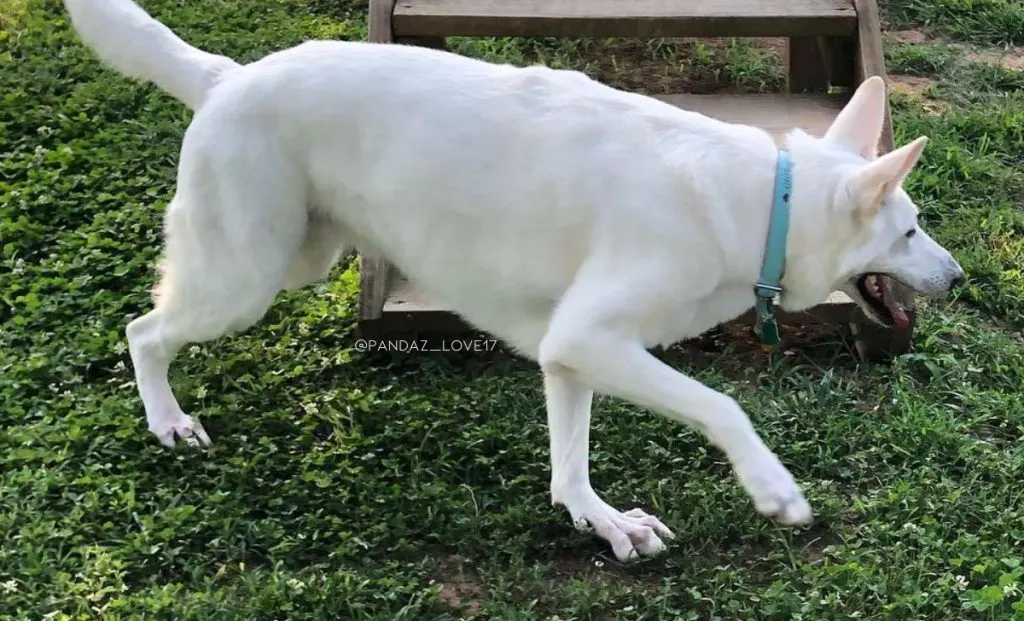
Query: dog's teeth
(871,285)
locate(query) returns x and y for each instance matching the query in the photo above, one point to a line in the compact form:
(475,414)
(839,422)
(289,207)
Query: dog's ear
(880,177)
(859,124)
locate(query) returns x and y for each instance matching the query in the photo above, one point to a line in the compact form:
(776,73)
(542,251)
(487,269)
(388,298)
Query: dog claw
(583,526)
(182,426)
(631,534)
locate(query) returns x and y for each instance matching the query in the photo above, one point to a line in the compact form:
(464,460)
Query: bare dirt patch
(1011,59)
(697,66)
(920,89)
(460,588)
(911,85)
(606,570)
(907,36)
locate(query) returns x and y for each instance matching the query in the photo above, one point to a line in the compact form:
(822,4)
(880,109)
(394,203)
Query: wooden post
(807,71)
(380,21)
(873,341)
(818,64)
(374,272)
(376,275)
(841,58)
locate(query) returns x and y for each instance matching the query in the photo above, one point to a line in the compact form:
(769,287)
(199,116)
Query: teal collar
(774,263)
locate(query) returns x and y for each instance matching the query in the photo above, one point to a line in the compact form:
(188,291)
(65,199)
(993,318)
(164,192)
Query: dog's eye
(910,233)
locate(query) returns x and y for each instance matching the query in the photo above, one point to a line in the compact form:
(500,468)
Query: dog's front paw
(179,425)
(631,534)
(773,490)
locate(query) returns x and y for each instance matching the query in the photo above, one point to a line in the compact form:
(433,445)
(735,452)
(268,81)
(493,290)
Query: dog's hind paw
(774,492)
(179,425)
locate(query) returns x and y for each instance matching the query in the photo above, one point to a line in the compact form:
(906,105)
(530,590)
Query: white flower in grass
(960,583)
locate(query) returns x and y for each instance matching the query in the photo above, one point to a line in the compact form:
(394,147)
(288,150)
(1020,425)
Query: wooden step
(407,308)
(624,18)
(406,297)
(775,113)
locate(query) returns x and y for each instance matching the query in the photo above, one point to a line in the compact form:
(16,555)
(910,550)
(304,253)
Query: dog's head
(854,228)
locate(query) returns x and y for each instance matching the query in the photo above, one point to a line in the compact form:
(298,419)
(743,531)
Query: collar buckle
(761,287)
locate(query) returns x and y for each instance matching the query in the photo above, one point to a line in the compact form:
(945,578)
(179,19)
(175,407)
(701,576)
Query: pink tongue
(899,316)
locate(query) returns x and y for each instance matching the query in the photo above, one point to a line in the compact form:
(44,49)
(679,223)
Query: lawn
(351,485)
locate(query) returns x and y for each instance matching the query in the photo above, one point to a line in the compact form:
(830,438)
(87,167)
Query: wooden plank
(776,114)
(375,280)
(380,21)
(625,18)
(875,342)
(406,297)
(871,60)
(409,309)
(437,43)
(375,273)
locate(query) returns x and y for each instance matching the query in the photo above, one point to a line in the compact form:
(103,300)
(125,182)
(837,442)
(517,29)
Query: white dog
(579,223)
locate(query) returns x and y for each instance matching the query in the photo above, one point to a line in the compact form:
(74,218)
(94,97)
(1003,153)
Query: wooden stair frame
(826,53)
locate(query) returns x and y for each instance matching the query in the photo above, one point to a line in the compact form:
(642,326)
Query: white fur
(579,223)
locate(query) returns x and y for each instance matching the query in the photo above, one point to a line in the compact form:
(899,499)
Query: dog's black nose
(959,280)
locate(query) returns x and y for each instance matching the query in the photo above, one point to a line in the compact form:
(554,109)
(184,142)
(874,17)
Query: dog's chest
(721,306)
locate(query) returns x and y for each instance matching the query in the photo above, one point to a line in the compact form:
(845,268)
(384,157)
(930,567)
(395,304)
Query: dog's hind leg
(324,244)
(222,268)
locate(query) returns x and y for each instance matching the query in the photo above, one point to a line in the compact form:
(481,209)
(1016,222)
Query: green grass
(345,485)
(995,22)
(654,66)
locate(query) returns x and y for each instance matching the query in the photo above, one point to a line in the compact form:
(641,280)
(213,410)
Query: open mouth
(880,299)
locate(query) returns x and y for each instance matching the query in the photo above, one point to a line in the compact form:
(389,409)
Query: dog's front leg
(615,365)
(631,533)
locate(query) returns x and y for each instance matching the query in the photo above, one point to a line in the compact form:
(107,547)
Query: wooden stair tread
(624,18)
(406,297)
(777,114)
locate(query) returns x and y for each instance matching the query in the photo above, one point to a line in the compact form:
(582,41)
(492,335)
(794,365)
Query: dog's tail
(128,39)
